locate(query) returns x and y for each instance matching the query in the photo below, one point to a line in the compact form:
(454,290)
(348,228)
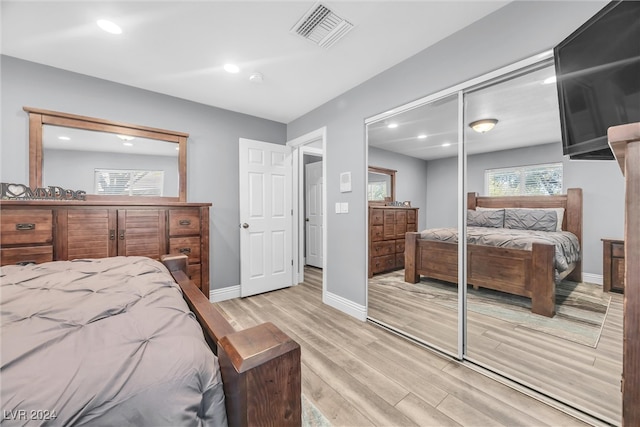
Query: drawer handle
(185,251)
(122,234)
(112,234)
(25,226)
(185,222)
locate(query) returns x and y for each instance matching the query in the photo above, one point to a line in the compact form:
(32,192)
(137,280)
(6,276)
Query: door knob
(306,219)
(245,225)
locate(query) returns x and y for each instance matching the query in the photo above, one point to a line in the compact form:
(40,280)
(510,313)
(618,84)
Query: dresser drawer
(26,254)
(399,260)
(377,232)
(400,246)
(617,250)
(189,246)
(383,263)
(382,248)
(376,217)
(184,222)
(19,226)
(411,216)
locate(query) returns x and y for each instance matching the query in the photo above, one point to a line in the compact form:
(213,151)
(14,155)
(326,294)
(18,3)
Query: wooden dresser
(387,227)
(41,231)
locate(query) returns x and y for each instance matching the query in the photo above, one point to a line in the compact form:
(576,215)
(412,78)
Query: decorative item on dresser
(387,228)
(41,231)
(613,265)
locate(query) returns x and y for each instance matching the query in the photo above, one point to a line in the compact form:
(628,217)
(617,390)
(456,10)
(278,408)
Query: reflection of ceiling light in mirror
(127,144)
(177,148)
(256,78)
(484,125)
(422,136)
(549,80)
(446,144)
(392,125)
(126,137)
(231,68)
(64,138)
(109,26)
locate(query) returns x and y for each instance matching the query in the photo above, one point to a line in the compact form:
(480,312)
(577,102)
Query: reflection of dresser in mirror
(387,227)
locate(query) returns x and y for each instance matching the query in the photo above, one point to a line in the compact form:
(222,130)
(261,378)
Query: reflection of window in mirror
(381,186)
(530,180)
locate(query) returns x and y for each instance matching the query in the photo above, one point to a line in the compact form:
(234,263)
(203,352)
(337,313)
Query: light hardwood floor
(585,376)
(357,374)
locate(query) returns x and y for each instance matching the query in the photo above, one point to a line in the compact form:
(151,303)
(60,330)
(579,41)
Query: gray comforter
(566,243)
(107,342)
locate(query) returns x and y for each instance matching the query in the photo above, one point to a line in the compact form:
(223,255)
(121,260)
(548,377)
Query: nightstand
(613,265)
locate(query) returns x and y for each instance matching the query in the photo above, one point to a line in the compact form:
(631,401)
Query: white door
(265,217)
(313,212)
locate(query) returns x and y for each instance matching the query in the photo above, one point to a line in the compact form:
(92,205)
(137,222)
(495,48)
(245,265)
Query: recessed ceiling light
(422,136)
(126,137)
(231,68)
(549,80)
(64,138)
(446,144)
(127,144)
(109,26)
(392,125)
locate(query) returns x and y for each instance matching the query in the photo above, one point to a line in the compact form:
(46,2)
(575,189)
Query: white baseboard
(346,306)
(230,292)
(592,278)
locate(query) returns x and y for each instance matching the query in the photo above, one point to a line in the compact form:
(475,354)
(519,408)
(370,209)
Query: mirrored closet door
(484,160)
(424,308)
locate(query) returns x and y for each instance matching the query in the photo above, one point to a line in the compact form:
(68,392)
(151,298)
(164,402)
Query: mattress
(104,342)
(567,246)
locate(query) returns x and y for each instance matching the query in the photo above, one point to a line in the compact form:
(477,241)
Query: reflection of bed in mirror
(526,266)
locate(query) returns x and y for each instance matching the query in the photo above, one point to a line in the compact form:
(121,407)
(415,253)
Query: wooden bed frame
(514,271)
(260,366)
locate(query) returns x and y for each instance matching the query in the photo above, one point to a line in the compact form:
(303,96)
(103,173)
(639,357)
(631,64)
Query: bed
(128,341)
(529,268)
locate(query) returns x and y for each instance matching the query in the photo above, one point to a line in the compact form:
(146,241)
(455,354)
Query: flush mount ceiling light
(109,26)
(484,125)
(231,68)
(256,78)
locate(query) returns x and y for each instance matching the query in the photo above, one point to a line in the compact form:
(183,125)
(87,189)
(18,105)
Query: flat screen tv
(598,79)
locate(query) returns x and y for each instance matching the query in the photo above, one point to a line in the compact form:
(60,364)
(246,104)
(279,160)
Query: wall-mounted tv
(598,79)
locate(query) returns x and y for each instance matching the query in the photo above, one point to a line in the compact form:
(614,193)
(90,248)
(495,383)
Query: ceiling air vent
(322,26)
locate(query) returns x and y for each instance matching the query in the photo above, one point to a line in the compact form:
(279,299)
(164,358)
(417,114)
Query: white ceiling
(179,48)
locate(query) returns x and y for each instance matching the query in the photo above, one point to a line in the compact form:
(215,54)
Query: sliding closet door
(574,355)
(417,295)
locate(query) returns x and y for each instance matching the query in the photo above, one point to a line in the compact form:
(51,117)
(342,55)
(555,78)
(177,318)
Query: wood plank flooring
(586,377)
(358,374)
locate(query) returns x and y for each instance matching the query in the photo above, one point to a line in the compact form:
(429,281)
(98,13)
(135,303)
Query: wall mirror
(109,160)
(381,186)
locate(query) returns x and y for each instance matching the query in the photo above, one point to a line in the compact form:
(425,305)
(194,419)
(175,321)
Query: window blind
(121,182)
(543,179)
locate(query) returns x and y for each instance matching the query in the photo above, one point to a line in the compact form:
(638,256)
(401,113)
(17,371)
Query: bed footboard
(514,271)
(260,366)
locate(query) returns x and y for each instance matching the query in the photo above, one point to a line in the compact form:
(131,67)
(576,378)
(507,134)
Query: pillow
(531,219)
(559,213)
(494,218)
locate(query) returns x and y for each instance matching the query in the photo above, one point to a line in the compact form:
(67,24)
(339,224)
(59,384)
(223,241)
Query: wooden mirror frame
(392,174)
(38,118)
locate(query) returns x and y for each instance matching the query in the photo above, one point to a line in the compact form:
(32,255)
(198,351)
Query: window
(524,180)
(120,182)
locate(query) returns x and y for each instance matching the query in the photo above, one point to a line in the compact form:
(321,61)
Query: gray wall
(411,178)
(516,31)
(212,159)
(602,186)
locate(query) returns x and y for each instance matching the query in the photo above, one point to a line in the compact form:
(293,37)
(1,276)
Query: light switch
(338,207)
(344,207)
